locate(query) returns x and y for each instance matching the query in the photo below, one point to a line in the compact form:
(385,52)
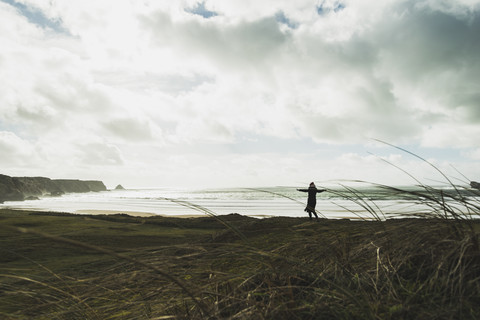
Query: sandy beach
(150,214)
(130,213)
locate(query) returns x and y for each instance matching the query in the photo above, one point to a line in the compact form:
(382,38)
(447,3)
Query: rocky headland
(22,188)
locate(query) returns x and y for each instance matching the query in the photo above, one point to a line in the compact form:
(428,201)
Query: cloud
(135,81)
(99,154)
(474,154)
(429,57)
(9,142)
(220,44)
(348,85)
(15,151)
(130,129)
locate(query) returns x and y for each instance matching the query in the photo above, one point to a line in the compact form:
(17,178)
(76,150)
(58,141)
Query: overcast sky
(239,92)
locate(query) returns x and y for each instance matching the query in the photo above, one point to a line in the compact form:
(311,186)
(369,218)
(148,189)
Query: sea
(335,203)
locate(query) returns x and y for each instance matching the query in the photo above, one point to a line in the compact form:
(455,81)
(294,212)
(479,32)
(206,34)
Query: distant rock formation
(119,187)
(21,188)
(32,198)
(475,185)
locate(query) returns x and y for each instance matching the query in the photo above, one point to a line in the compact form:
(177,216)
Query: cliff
(20,188)
(9,189)
(96,185)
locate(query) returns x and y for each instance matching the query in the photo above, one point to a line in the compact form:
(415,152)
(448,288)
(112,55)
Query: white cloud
(130,129)
(474,154)
(14,149)
(139,82)
(99,154)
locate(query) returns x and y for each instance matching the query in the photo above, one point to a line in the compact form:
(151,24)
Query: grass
(60,266)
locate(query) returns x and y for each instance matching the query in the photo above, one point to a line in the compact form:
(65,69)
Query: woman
(312,199)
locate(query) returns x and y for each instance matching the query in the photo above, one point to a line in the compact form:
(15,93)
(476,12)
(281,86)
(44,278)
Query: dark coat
(312,198)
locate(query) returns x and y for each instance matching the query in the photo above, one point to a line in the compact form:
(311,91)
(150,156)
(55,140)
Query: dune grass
(60,266)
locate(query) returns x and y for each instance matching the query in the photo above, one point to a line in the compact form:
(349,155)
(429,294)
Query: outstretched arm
(302,190)
(321,190)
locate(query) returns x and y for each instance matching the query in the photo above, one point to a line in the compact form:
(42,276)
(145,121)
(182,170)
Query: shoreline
(112,212)
(142,214)
(150,214)
(137,214)
(282,202)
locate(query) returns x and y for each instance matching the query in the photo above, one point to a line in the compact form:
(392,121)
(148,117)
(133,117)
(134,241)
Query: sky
(240,93)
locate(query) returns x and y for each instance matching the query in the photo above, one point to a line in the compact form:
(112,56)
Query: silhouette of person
(312,199)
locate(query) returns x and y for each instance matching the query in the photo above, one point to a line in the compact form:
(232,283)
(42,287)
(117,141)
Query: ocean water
(336,203)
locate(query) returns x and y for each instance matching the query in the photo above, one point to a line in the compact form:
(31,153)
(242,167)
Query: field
(61,266)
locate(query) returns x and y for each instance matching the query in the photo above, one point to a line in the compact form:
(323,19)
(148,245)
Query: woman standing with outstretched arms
(312,199)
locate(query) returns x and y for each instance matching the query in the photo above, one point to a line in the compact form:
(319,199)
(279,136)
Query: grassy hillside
(60,266)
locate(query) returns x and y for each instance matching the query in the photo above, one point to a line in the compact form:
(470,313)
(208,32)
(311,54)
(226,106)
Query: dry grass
(281,268)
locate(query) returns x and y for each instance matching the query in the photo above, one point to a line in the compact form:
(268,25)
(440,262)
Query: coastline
(371,204)
(135,214)
(113,212)
(142,214)
(150,214)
